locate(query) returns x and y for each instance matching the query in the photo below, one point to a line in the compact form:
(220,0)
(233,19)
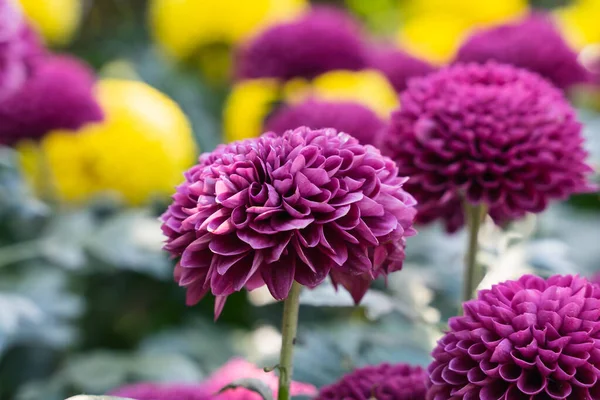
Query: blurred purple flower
(349,117)
(236,368)
(15,47)
(381,382)
(489,133)
(58,95)
(300,206)
(162,391)
(398,66)
(525,339)
(533,43)
(323,40)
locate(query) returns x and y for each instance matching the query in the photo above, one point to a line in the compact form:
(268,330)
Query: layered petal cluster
(300,206)
(57,95)
(398,66)
(382,382)
(533,43)
(526,339)
(320,41)
(489,133)
(344,116)
(208,390)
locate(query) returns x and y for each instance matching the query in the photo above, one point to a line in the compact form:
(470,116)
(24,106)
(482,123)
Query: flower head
(208,390)
(382,382)
(58,95)
(531,338)
(183,27)
(56,20)
(161,391)
(300,206)
(17,44)
(398,66)
(533,43)
(321,41)
(349,117)
(253,102)
(97,158)
(434,29)
(489,133)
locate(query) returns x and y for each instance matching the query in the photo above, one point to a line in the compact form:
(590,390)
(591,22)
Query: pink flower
(235,369)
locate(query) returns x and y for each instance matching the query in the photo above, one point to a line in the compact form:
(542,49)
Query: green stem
(291,307)
(474,215)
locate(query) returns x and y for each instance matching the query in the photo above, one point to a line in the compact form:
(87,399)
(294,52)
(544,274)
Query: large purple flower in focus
(533,43)
(398,66)
(381,382)
(349,117)
(525,339)
(320,41)
(300,206)
(58,95)
(489,133)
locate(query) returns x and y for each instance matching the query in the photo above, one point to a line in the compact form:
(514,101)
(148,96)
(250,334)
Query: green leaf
(255,385)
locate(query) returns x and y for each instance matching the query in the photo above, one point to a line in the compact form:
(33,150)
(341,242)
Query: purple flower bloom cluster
(14,48)
(398,66)
(349,117)
(381,382)
(322,40)
(58,95)
(533,43)
(39,92)
(489,133)
(531,338)
(301,206)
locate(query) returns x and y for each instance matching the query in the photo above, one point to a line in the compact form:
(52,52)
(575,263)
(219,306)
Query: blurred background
(87,298)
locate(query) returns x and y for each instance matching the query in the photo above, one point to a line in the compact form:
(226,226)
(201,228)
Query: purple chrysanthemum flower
(534,44)
(349,117)
(300,206)
(398,66)
(381,382)
(489,133)
(58,95)
(320,41)
(15,48)
(525,339)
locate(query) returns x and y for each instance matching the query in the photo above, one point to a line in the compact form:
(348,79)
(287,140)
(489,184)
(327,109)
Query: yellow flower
(139,151)
(579,22)
(182,27)
(434,29)
(247,106)
(251,101)
(56,20)
(367,87)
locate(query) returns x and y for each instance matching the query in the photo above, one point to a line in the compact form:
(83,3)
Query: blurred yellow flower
(251,101)
(56,20)
(247,106)
(181,27)
(434,29)
(579,22)
(139,151)
(367,87)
